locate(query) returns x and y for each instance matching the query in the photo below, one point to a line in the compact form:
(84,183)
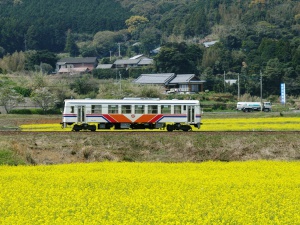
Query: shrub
(35,111)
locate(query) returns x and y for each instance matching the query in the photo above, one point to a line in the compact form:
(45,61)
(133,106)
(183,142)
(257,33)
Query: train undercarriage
(131,126)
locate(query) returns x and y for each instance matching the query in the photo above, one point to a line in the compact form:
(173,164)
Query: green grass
(8,157)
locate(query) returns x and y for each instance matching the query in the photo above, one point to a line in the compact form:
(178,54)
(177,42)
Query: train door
(191,117)
(81,114)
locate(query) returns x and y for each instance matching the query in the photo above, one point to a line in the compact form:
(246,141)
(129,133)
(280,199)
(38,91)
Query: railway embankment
(71,147)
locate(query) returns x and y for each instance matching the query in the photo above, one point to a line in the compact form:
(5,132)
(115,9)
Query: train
(131,114)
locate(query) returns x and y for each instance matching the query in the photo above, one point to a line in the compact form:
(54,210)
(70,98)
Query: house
(76,65)
(141,56)
(231,81)
(104,66)
(183,83)
(155,51)
(156,79)
(135,61)
(145,62)
(126,63)
(209,43)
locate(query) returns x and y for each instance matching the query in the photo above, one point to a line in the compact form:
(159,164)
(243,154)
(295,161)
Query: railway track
(174,133)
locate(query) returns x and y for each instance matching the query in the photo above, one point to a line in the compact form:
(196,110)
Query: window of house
(113,109)
(97,109)
(139,109)
(184,87)
(166,109)
(152,109)
(177,109)
(126,109)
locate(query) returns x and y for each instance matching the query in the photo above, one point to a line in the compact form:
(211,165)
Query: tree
(37,58)
(9,98)
(150,38)
(43,98)
(134,22)
(273,77)
(71,46)
(14,62)
(84,85)
(178,58)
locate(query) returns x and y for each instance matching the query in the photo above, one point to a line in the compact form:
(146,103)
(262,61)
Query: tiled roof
(145,62)
(162,78)
(126,61)
(137,56)
(104,66)
(70,70)
(71,60)
(182,78)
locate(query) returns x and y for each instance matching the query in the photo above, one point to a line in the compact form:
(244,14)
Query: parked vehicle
(131,113)
(254,106)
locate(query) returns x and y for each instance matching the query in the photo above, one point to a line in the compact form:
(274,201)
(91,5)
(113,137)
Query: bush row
(35,111)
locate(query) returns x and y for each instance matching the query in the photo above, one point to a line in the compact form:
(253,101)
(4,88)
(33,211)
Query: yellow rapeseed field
(252,124)
(253,192)
(211,124)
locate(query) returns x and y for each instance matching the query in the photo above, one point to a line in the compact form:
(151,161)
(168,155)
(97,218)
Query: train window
(165,109)
(97,109)
(152,109)
(184,107)
(177,109)
(72,109)
(113,109)
(126,109)
(139,109)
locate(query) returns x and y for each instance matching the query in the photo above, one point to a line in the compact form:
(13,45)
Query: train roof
(130,101)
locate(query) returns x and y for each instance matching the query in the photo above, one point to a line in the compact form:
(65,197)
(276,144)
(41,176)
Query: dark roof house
(138,60)
(76,65)
(159,79)
(184,83)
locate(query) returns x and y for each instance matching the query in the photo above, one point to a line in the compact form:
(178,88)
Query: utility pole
(119,44)
(120,81)
(238,86)
(224,82)
(109,56)
(261,108)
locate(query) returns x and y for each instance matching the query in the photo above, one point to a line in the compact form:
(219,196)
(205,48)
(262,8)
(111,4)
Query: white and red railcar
(138,113)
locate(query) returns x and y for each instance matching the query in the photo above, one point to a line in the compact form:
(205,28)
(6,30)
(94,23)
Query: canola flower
(252,124)
(220,124)
(253,192)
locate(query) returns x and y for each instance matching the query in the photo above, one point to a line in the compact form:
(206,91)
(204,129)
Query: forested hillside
(43,24)
(253,36)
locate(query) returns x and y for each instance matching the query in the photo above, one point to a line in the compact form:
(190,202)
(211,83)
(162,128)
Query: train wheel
(186,128)
(92,128)
(76,128)
(170,128)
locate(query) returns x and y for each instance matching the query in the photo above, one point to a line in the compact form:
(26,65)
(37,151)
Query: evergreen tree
(71,46)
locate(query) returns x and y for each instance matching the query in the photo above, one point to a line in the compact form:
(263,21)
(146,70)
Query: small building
(209,43)
(231,81)
(76,65)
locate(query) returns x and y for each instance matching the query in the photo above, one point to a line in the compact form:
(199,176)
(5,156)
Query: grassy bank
(151,147)
(69,147)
